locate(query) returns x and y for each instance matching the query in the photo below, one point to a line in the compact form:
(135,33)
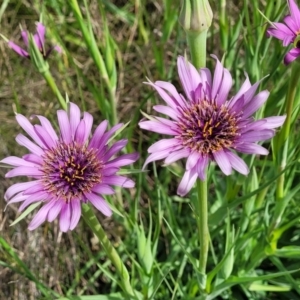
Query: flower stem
(92,221)
(202,222)
(282,147)
(51,82)
(197,46)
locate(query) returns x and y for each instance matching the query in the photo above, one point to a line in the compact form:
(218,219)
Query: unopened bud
(196,15)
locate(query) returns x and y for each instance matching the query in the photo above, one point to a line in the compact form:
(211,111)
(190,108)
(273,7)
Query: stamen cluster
(71,170)
(207,128)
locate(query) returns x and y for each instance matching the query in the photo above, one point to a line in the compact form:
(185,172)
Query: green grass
(109,49)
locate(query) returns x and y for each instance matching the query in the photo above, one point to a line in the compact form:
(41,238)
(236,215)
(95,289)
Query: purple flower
(67,169)
(39,38)
(289,32)
(206,126)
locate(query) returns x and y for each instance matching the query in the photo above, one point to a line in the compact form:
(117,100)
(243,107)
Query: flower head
(288,32)
(206,126)
(67,169)
(39,39)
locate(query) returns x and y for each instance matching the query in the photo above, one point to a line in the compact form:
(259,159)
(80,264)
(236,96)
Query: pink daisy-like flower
(39,38)
(67,169)
(289,32)
(206,126)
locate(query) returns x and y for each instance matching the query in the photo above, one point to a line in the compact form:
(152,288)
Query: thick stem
(197,46)
(289,103)
(202,222)
(282,146)
(51,82)
(111,252)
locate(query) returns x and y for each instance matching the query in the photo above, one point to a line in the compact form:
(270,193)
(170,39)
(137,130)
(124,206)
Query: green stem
(197,46)
(51,82)
(111,252)
(202,222)
(284,134)
(289,103)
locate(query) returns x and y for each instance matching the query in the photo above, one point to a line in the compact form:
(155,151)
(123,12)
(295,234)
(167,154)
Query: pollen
(71,170)
(207,128)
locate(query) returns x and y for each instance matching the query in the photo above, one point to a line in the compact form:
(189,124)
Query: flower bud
(36,56)
(195,16)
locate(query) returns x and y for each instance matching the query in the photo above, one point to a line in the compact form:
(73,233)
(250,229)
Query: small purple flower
(67,169)
(39,38)
(289,32)
(206,126)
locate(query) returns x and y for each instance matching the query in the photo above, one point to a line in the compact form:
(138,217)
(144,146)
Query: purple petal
(45,137)
(64,125)
(291,55)
(164,95)
(201,167)
(225,87)
(98,134)
(192,160)
(245,87)
(158,127)
(48,127)
(116,147)
(18,198)
(218,75)
(163,144)
(18,187)
(281,32)
(291,24)
(109,171)
(251,149)
(18,49)
(24,171)
(41,216)
(28,128)
(65,217)
(237,163)
(99,203)
(187,182)
(295,13)
(39,37)
(274,122)
(88,120)
(103,189)
(123,160)
(255,103)
(176,155)
(38,160)
(205,76)
(156,156)
(189,77)
(34,189)
(74,117)
(166,110)
(76,213)
(80,133)
(24,141)
(256,136)
(119,181)
(55,210)
(24,36)
(172,91)
(39,196)
(17,161)
(223,162)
